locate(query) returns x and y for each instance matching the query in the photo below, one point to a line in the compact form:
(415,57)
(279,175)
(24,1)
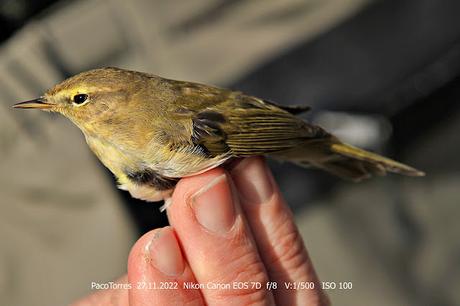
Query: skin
(252,238)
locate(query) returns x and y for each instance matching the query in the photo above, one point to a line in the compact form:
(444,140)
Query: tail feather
(346,161)
(374,160)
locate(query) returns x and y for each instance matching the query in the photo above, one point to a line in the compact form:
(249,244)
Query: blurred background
(384,75)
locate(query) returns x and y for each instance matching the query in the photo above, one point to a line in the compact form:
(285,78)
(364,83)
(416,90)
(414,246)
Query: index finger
(217,242)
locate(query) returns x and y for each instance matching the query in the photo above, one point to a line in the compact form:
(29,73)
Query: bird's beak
(39,103)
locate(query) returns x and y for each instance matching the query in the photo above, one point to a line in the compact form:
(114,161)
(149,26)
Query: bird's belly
(132,175)
(146,192)
(151,177)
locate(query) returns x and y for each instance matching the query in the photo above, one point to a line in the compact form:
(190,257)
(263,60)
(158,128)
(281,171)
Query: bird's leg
(167,203)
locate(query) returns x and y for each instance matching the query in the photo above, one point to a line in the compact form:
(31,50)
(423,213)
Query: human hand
(227,229)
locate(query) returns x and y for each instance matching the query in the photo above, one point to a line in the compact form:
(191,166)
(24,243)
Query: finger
(157,272)
(277,237)
(217,242)
(109,297)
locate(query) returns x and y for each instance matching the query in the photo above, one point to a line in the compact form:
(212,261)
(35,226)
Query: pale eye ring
(80,99)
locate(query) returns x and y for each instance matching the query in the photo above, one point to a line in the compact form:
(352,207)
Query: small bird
(151,131)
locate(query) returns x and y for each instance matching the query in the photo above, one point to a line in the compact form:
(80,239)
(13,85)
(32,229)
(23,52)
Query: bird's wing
(223,121)
(293,109)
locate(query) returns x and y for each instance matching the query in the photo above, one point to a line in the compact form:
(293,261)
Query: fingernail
(253,180)
(213,205)
(164,252)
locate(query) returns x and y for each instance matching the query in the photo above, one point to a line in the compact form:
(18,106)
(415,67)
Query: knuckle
(289,254)
(193,301)
(246,271)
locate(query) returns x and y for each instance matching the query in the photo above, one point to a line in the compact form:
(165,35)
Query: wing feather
(225,121)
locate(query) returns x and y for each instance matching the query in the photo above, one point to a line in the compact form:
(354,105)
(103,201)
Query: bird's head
(94,100)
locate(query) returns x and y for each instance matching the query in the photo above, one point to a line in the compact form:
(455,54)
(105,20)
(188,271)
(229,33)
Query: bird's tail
(361,164)
(347,161)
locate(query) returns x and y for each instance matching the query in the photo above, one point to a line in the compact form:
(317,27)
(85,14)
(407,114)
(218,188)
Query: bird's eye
(80,98)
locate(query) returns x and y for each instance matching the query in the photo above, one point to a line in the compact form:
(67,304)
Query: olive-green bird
(150,131)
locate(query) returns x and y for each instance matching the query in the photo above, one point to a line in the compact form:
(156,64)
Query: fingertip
(254,180)
(179,211)
(160,250)
(190,184)
(157,271)
(137,250)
